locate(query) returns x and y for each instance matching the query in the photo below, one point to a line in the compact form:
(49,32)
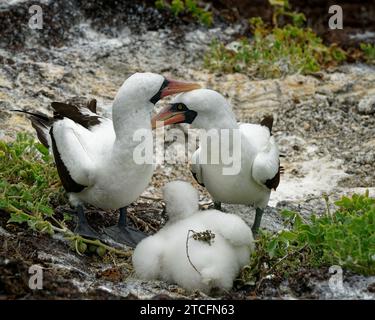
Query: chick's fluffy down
(163,255)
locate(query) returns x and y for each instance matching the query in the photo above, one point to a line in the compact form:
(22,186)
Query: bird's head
(181,200)
(144,88)
(202,108)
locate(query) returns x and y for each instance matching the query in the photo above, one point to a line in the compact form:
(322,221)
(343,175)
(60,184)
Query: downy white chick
(164,256)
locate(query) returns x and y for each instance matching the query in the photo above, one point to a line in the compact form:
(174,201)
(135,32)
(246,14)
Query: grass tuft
(275,51)
(345,237)
(30,189)
(178,7)
(368,51)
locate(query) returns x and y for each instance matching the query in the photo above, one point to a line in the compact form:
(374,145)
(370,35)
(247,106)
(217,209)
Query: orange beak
(175,86)
(166,117)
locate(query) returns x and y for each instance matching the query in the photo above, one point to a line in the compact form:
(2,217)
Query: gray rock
(367,105)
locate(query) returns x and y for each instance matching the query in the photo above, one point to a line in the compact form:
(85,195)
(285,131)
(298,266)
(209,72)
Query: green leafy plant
(368,52)
(282,8)
(345,237)
(178,7)
(30,188)
(160,4)
(275,51)
(28,178)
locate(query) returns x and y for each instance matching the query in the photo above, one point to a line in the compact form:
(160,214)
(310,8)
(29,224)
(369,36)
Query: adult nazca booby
(94,154)
(259,157)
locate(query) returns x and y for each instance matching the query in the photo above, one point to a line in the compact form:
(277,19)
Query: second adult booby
(259,155)
(94,155)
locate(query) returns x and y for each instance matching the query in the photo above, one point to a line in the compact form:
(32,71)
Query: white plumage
(258,159)
(94,155)
(259,163)
(163,255)
(101,158)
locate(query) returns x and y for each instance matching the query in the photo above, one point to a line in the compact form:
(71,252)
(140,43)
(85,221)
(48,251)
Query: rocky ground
(324,124)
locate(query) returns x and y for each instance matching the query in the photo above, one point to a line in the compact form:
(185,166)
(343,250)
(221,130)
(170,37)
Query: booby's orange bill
(173,113)
(175,86)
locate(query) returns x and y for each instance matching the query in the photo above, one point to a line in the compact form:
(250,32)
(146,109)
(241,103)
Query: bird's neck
(217,142)
(130,121)
(224,123)
(222,134)
(223,118)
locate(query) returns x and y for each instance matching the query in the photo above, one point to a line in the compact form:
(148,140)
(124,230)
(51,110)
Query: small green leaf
(67,217)
(101,251)
(271,248)
(18,217)
(47,211)
(287,235)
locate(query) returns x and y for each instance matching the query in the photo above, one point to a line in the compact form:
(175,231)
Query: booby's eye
(178,107)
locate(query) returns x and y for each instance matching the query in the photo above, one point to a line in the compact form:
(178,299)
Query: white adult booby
(259,157)
(94,155)
(197,265)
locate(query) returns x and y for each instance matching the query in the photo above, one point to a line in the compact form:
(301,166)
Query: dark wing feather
(195,177)
(267,122)
(67,181)
(85,118)
(91,105)
(42,123)
(84,115)
(275,181)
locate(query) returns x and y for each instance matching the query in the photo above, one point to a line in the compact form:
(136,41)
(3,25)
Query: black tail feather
(41,123)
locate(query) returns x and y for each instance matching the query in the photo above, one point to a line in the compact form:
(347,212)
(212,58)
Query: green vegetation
(275,51)
(368,52)
(345,237)
(28,177)
(30,188)
(178,7)
(282,8)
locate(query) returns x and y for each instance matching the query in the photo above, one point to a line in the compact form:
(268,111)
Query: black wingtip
(274,182)
(19,110)
(267,122)
(91,105)
(196,179)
